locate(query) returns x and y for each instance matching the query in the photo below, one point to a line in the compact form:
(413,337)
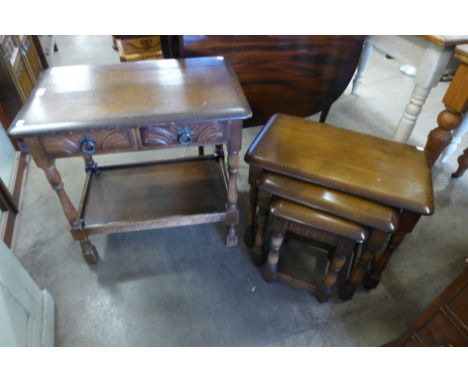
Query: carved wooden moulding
(89,142)
(184,134)
(145,137)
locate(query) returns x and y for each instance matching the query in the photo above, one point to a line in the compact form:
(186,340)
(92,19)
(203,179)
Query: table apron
(150,137)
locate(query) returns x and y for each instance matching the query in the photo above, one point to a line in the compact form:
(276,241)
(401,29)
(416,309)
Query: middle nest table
(87,110)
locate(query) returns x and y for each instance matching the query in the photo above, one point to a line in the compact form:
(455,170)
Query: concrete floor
(182,287)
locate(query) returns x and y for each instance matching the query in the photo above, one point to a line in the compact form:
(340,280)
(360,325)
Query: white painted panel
(13,321)
(26,312)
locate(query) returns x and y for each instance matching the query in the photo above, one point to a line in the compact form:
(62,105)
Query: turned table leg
(439,138)
(374,244)
(462,164)
(232,210)
(408,221)
(276,240)
(433,64)
(263,203)
(338,260)
(53,176)
(249,235)
(413,109)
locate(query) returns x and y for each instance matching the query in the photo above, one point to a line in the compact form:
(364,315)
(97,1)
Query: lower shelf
(155,195)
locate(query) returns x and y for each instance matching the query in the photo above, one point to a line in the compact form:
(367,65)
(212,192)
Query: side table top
(387,172)
(127,94)
(461,53)
(447,40)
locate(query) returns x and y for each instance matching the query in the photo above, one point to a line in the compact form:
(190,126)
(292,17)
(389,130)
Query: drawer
(88,142)
(173,134)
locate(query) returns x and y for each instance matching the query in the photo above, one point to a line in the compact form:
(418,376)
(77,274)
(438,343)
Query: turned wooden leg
(432,65)
(250,229)
(53,176)
(271,267)
(374,244)
(439,138)
(232,210)
(249,234)
(413,108)
(90,253)
(408,221)
(263,202)
(341,252)
(232,213)
(362,65)
(462,164)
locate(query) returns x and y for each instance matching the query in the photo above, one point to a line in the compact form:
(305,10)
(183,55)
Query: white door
(26,312)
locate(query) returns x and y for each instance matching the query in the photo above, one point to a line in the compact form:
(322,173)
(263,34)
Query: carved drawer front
(88,142)
(172,134)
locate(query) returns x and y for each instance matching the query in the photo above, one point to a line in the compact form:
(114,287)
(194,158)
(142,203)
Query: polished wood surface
(315,225)
(447,40)
(380,221)
(91,110)
(299,75)
(73,98)
(337,203)
(461,53)
(175,188)
(444,322)
(387,172)
(318,219)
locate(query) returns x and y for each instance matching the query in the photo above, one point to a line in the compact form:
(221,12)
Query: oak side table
(87,110)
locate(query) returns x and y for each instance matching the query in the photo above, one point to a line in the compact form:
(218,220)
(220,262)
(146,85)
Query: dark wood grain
(444,322)
(287,216)
(316,219)
(298,75)
(74,98)
(87,110)
(387,172)
(337,203)
(163,189)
